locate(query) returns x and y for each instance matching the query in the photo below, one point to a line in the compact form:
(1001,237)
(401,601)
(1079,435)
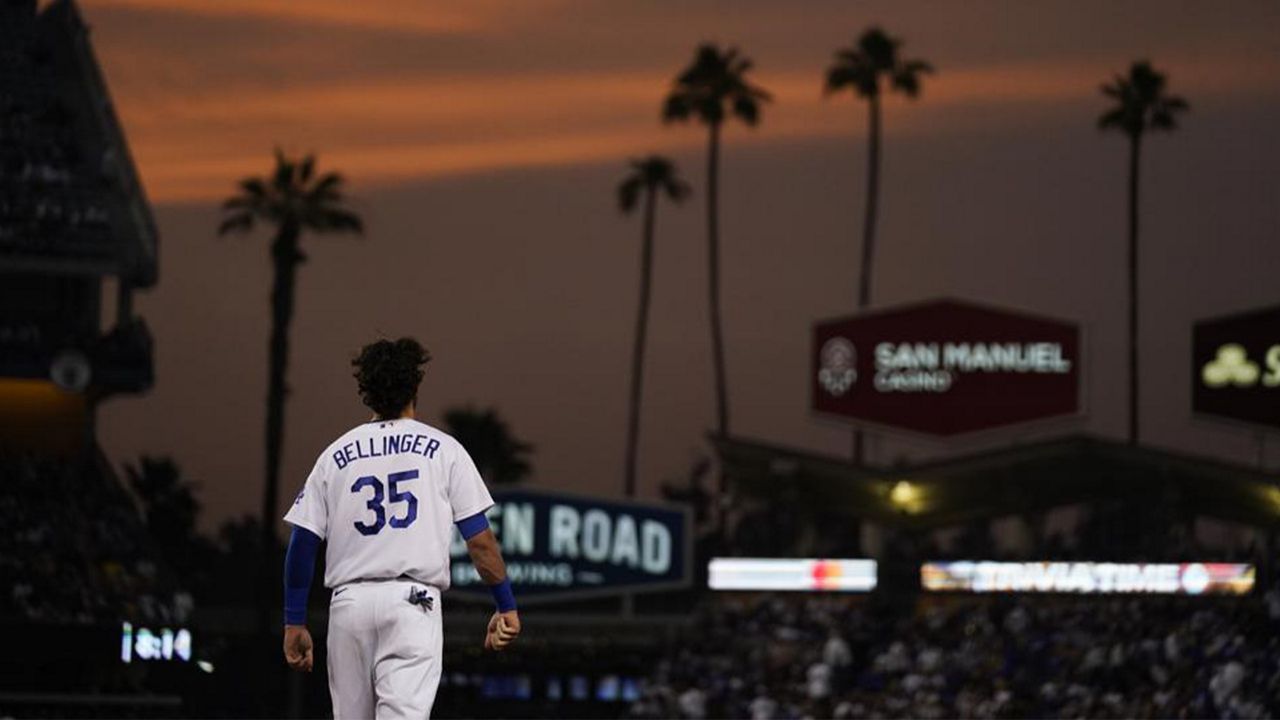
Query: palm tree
(293,199)
(499,456)
(650,176)
(711,90)
(864,68)
(1140,105)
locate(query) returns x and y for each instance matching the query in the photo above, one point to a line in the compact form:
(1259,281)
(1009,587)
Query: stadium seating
(74,548)
(1052,657)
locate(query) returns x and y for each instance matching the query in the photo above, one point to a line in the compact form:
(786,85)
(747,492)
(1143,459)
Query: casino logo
(837,366)
(1232,366)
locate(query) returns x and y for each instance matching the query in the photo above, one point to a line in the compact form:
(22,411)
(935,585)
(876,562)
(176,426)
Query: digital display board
(1235,367)
(945,367)
(1088,577)
(559,546)
(795,575)
(162,644)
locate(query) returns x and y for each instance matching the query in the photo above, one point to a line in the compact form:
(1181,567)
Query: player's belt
(420,596)
(403,577)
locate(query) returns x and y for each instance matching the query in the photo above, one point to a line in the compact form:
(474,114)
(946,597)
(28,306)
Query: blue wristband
(295,606)
(502,595)
(472,526)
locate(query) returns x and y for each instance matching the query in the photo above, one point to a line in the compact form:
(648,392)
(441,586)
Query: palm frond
(1161,120)
(919,67)
(282,179)
(746,108)
(1113,118)
(907,82)
(676,108)
(335,220)
(838,78)
(236,222)
(254,187)
(676,189)
(305,168)
(629,193)
(327,188)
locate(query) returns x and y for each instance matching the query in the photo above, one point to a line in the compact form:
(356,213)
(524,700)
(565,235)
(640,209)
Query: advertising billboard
(786,574)
(1235,367)
(1088,577)
(559,546)
(945,367)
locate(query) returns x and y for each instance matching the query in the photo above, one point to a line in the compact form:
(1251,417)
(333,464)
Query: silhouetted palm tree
(868,67)
(499,456)
(1141,104)
(294,200)
(710,91)
(649,177)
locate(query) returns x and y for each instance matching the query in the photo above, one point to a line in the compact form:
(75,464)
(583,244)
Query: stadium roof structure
(1024,478)
(70,199)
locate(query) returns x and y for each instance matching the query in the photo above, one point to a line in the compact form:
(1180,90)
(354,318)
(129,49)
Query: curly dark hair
(388,373)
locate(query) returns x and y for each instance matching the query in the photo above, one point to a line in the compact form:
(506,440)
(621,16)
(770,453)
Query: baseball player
(385,496)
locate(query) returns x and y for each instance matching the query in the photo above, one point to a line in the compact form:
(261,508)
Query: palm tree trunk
(713,285)
(637,354)
(1135,150)
(869,230)
(285,260)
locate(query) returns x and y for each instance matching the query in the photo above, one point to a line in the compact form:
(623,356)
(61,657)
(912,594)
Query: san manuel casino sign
(945,367)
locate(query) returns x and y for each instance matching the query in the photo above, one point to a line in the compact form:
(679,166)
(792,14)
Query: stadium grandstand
(902,651)
(74,225)
(76,240)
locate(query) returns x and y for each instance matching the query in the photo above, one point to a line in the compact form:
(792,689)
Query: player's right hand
(297,647)
(503,629)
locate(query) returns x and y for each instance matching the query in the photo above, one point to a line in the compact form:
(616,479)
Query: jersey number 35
(375,503)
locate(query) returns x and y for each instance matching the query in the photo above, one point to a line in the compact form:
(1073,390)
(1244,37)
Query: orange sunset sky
(482,141)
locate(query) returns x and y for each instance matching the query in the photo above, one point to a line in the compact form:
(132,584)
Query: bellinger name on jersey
(391,444)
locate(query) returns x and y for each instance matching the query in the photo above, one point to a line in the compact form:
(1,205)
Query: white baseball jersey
(385,496)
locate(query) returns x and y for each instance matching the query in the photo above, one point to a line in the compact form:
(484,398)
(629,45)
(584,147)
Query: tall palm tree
(713,89)
(1141,104)
(649,177)
(293,199)
(500,457)
(868,66)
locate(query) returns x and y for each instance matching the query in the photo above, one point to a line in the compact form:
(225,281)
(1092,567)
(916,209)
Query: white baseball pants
(384,651)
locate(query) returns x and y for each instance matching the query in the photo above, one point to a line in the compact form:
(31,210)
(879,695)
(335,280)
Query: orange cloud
(195,145)
(419,16)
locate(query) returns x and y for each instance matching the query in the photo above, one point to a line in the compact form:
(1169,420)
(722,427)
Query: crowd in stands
(54,193)
(805,656)
(74,548)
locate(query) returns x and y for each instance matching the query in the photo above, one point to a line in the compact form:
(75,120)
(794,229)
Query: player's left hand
(503,628)
(297,647)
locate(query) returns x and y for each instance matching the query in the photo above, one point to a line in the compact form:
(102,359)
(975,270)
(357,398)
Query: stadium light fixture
(905,496)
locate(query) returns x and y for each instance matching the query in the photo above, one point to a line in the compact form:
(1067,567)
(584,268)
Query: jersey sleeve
(467,493)
(311,507)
